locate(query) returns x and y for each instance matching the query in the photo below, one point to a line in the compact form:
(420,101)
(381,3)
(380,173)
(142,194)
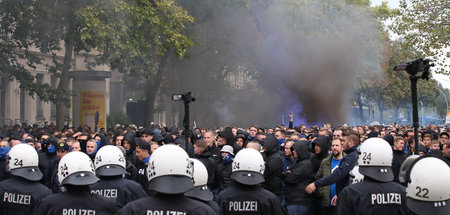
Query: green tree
(17,36)
(134,37)
(424,26)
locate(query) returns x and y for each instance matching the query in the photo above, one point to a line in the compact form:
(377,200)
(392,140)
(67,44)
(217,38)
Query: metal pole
(415,113)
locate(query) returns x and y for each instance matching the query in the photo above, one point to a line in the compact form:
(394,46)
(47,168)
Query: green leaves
(132,35)
(423,25)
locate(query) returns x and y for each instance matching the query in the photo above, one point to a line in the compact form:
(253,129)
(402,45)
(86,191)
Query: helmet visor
(200,192)
(379,173)
(171,184)
(110,170)
(422,207)
(31,173)
(80,178)
(248,177)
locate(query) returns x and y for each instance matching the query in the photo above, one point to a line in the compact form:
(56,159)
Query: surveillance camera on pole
(186,98)
(417,69)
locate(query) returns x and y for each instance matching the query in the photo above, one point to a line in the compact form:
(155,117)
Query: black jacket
(4,174)
(166,204)
(121,190)
(225,175)
(397,160)
(77,200)
(323,142)
(131,171)
(141,177)
(341,175)
(242,199)
(19,196)
(131,154)
(299,176)
(211,166)
(371,198)
(274,167)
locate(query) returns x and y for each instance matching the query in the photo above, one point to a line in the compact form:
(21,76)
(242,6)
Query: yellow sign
(92,108)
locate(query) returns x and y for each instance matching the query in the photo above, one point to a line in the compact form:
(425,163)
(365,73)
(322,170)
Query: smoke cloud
(300,56)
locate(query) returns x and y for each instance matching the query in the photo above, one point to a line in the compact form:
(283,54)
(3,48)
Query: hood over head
(129,136)
(323,142)
(227,133)
(302,149)
(271,144)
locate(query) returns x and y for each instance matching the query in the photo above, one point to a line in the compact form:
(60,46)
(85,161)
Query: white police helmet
(76,168)
(170,170)
(248,167)
(427,190)
(23,161)
(375,159)
(109,161)
(200,177)
(355,175)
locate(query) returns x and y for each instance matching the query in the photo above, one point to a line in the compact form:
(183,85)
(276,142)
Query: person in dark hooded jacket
(274,166)
(320,147)
(224,137)
(205,157)
(297,178)
(129,143)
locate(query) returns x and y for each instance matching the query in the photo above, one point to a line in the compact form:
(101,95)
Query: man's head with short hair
(287,148)
(399,143)
(427,138)
(199,146)
(76,146)
(254,145)
(435,145)
(350,139)
(280,134)
(209,137)
(336,148)
(253,130)
(142,150)
(444,138)
(91,145)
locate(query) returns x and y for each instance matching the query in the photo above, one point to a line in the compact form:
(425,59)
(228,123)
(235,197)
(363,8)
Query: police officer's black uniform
(166,204)
(78,200)
(245,199)
(21,193)
(372,197)
(377,194)
(19,196)
(119,189)
(170,175)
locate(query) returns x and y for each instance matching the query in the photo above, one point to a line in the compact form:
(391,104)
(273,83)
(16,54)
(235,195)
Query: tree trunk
(381,109)
(64,81)
(360,105)
(152,88)
(397,107)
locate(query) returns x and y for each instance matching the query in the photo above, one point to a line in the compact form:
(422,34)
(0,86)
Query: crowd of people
(281,170)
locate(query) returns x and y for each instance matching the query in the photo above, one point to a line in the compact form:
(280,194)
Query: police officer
(170,175)
(20,193)
(110,167)
(76,173)
(427,188)
(377,193)
(200,191)
(246,196)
